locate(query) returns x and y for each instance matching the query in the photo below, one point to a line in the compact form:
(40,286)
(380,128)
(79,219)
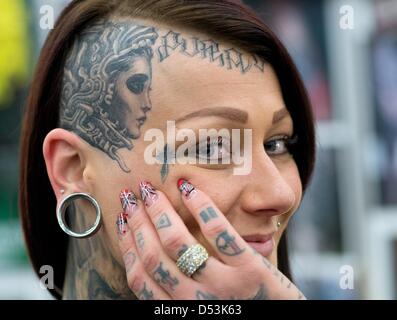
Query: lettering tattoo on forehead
(107,79)
(230,58)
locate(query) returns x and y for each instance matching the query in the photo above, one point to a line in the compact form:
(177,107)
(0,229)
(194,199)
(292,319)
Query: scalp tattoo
(106,83)
(107,78)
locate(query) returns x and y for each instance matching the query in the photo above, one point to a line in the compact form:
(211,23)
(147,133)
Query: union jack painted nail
(186,188)
(148,193)
(129,202)
(122,225)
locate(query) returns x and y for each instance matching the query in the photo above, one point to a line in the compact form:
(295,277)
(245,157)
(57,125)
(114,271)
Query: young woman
(117,219)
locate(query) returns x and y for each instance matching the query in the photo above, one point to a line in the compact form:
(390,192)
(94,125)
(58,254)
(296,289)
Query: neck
(92,272)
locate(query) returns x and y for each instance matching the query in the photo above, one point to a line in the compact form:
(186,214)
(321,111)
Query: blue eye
(280,145)
(213,149)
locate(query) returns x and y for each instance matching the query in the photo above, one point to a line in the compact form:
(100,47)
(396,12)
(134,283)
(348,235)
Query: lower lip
(264,248)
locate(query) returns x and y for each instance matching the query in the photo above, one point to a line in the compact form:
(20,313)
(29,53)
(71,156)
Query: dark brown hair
(227,20)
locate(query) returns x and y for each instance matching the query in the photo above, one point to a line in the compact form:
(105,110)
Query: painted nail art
(128,201)
(186,188)
(121,223)
(148,193)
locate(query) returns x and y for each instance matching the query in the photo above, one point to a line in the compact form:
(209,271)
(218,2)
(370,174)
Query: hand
(152,236)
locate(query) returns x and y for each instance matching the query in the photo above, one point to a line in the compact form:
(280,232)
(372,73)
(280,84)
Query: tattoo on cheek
(227,244)
(163,276)
(164,159)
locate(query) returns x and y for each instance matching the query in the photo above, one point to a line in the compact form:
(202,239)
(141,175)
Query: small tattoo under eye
(163,222)
(165,163)
(208,214)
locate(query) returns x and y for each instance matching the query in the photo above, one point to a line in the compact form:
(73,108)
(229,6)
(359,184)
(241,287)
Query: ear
(64,158)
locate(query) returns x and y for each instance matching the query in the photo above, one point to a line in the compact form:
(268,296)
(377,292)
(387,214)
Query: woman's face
(132,92)
(226,96)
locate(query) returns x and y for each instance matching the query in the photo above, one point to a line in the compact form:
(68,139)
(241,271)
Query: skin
(180,83)
(139,102)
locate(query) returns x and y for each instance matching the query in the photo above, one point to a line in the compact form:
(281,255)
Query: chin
(135,133)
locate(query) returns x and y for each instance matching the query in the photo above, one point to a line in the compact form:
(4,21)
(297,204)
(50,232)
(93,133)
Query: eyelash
(209,143)
(289,142)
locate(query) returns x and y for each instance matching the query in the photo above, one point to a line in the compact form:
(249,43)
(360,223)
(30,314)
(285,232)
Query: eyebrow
(224,112)
(280,115)
(231,114)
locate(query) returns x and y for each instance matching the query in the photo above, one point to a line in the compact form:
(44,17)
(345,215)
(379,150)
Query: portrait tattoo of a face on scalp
(106,83)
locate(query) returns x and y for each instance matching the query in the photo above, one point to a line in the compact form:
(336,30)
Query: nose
(266,191)
(146,104)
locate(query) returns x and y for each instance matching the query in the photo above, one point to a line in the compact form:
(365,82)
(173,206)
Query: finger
(140,283)
(215,227)
(172,232)
(155,261)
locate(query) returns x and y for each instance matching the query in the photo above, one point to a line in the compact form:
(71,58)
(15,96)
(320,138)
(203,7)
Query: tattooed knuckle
(202,205)
(213,229)
(150,261)
(173,242)
(129,260)
(156,210)
(137,224)
(254,270)
(135,282)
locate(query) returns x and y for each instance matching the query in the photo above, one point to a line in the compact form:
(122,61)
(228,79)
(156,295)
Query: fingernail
(129,202)
(121,223)
(186,188)
(148,193)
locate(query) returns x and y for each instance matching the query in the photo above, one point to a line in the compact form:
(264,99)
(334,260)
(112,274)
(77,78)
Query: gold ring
(192,259)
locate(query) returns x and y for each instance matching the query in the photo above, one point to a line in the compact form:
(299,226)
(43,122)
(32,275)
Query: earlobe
(65,163)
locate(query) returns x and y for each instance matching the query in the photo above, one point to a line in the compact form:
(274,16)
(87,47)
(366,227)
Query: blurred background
(343,239)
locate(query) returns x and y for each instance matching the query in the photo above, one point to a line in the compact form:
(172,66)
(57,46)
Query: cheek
(106,180)
(292,178)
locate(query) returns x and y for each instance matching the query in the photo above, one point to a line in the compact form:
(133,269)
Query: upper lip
(258,237)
